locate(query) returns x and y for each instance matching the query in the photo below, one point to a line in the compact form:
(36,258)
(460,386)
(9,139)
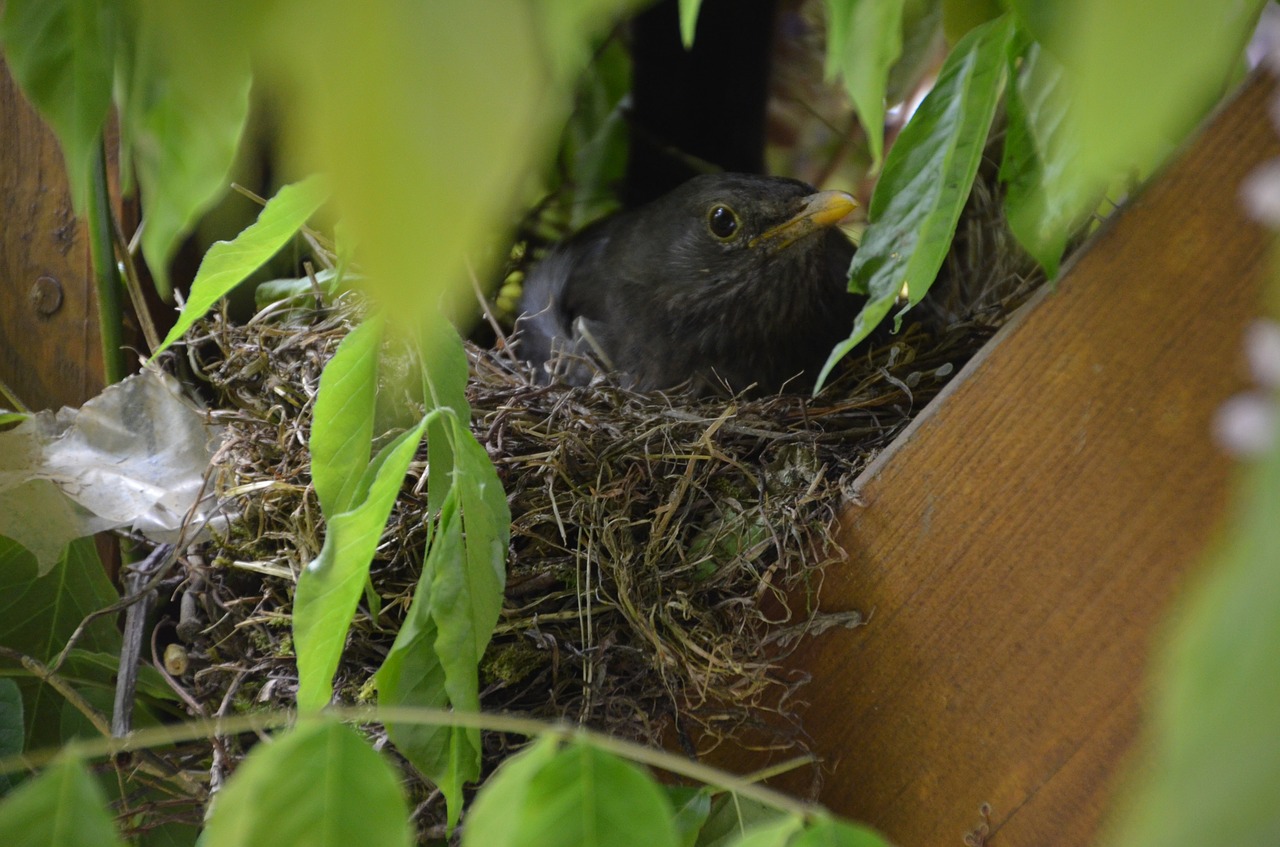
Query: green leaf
(733,816)
(926,180)
(692,807)
(329,587)
(1042,203)
(229,263)
(864,39)
(342,424)
(1211,769)
(62,807)
(688,21)
(61,53)
(185,104)
(580,795)
(435,658)
(826,831)
(317,785)
(778,833)
(496,817)
(1141,76)
(445,373)
(11,727)
(38,615)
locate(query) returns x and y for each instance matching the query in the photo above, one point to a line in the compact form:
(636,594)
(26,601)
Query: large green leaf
(317,785)
(577,795)
(229,263)
(864,39)
(61,52)
(826,831)
(329,587)
(1211,774)
(342,422)
(185,104)
(63,807)
(1140,77)
(1043,204)
(926,180)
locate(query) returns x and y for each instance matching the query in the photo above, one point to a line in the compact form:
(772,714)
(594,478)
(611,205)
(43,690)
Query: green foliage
(318,785)
(229,263)
(578,794)
(926,180)
(61,53)
(1211,773)
(62,807)
(329,587)
(865,38)
(11,727)
(436,656)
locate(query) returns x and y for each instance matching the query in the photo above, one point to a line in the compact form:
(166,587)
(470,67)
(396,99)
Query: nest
(667,553)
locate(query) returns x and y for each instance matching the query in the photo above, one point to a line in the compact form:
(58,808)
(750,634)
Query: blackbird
(730,283)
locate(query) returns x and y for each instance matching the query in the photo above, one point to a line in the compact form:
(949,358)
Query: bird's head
(754,247)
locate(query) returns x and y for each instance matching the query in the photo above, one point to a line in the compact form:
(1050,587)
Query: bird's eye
(723,222)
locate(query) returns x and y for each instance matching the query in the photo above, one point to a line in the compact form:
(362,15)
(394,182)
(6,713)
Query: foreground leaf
(926,181)
(1211,773)
(61,53)
(863,42)
(577,795)
(62,807)
(229,263)
(329,587)
(317,785)
(185,104)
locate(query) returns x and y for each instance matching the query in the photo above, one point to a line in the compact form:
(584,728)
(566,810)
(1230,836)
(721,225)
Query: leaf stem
(105,271)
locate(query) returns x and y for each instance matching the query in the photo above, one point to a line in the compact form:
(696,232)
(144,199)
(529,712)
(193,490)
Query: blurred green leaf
(926,180)
(864,39)
(826,831)
(692,808)
(317,785)
(1141,77)
(342,423)
(1211,773)
(185,100)
(776,833)
(62,807)
(576,795)
(229,263)
(11,727)
(732,816)
(329,587)
(689,21)
(61,53)
(1043,204)
(597,135)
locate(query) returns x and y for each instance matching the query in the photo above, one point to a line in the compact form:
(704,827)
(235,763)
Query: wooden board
(1019,546)
(49,350)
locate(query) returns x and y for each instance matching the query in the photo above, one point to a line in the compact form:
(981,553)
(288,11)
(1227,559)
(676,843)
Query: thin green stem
(105,272)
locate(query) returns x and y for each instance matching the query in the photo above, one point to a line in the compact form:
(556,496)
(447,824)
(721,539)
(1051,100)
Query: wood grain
(1020,545)
(49,348)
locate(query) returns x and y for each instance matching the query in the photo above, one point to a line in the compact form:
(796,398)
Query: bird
(731,283)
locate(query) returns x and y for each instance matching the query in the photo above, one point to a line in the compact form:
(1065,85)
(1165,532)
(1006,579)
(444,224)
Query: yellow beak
(821,210)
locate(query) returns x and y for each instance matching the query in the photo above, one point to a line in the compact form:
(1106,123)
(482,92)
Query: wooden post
(1019,547)
(49,350)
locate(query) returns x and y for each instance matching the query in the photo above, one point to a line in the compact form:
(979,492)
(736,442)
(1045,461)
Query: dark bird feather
(732,282)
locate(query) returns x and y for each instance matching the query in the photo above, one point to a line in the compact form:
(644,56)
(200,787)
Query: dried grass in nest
(666,552)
